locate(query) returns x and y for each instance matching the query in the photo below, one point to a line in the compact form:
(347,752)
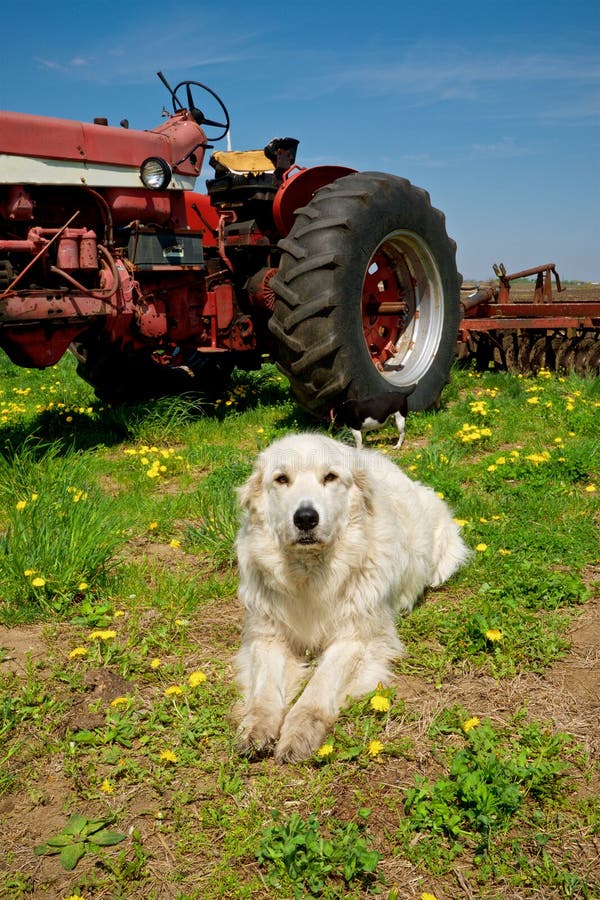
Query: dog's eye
(282,479)
(331,476)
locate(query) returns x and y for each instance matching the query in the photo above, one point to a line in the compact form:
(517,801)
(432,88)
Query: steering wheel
(197,114)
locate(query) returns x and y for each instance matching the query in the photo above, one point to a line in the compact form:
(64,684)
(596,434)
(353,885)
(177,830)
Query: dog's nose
(306,517)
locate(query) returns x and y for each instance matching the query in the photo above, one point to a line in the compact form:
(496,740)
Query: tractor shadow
(99,424)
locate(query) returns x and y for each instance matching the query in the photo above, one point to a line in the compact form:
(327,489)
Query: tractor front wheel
(367,294)
(119,376)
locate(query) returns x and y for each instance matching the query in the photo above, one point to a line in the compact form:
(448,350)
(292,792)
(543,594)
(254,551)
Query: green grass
(117,530)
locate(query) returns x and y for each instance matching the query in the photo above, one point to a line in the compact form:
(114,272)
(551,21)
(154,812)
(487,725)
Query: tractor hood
(43,150)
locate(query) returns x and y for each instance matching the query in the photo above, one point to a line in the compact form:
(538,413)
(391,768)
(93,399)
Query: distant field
(572,290)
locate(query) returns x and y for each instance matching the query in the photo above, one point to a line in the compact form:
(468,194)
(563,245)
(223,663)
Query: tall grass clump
(217,512)
(60,531)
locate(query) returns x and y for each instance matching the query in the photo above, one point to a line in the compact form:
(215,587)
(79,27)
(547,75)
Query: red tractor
(347,280)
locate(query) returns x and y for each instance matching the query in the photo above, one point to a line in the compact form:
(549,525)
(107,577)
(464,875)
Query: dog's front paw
(302,733)
(257,734)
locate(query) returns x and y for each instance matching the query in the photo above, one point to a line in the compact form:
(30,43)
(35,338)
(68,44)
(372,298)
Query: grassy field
(475,774)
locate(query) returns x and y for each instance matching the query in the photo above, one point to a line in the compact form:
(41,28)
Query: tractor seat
(250,176)
(240,162)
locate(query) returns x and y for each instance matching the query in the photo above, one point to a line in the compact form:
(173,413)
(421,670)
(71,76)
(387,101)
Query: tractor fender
(298,189)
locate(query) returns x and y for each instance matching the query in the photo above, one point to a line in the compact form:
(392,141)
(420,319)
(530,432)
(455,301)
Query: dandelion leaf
(70,855)
(106,838)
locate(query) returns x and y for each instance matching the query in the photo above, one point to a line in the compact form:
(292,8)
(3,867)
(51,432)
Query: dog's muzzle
(306,519)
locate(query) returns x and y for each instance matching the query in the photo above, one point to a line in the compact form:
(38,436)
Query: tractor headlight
(155,173)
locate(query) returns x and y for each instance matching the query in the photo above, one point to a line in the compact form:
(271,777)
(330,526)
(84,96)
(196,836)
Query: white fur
(380,542)
(374,425)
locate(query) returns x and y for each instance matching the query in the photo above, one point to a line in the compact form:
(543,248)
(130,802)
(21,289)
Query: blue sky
(494,108)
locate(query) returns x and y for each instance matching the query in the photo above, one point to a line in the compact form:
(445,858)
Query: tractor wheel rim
(402,308)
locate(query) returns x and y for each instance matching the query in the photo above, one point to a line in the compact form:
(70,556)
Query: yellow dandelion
(118,613)
(106,787)
(168,756)
(21,504)
(156,663)
(82,585)
(102,635)
(469,724)
(461,522)
(375,747)
(174,543)
(494,635)
(173,690)
(196,678)
(74,897)
(481,548)
(76,652)
(590,489)
(119,701)
(29,572)
(503,552)
(152,526)
(379,703)
(426,896)
(38,582)
(325,750)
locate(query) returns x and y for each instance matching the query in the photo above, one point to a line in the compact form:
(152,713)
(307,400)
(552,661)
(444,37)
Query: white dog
(334,544)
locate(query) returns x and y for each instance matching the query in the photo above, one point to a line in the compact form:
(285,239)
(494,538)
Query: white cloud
(505,148)
(424,75)
(176,47)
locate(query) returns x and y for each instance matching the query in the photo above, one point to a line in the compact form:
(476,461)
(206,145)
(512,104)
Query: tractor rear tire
(367,294)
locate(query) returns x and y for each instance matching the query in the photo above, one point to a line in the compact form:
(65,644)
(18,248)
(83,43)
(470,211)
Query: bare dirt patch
(566,695)
(20,645)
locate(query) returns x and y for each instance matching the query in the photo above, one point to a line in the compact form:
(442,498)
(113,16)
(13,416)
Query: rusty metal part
(103,293)
(526,352)
(543,284)
(527,335)
(481,295)
(260,292)
(43,250)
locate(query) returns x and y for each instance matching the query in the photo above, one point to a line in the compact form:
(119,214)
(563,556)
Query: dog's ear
(249,491)
(363,482)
